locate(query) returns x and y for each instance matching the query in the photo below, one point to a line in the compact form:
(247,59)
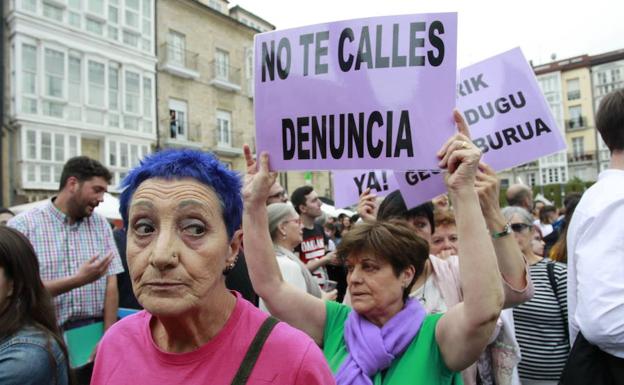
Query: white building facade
(82,82)
(553,168)
(606,77)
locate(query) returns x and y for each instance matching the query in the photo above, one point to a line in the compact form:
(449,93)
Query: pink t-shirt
(127,354)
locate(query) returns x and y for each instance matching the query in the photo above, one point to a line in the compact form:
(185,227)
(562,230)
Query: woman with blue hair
(182,210)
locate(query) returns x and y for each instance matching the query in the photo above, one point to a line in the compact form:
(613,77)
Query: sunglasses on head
(519,227)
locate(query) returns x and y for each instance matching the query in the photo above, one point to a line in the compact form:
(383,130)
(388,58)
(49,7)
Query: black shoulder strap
(244,371)
(550,269)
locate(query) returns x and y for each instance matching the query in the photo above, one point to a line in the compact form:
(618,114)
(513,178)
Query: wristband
(505,232)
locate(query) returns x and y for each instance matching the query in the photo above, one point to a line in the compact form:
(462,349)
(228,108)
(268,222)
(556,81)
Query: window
(133,92)
(29,5)
(96,84)
(131,39)
(574,89)
(73,146)
(112,154)
(29,79)
(132,13)
(113,15)
(55,73)
(53,12)
(249,70)
(215,4)
(123,154)
(147,9)
(222,63)
(602,77)
(224,123)
(59,147)
(177,119)
(75,20)
(113,96)
(177,48)
(146,42)
(96,27)
(46,146)
(31,144)
(45,153)
(96,7)
(74,89)
(53,109)
(578,147)
(532,179)
(147,104)
(134,155)
(576,118)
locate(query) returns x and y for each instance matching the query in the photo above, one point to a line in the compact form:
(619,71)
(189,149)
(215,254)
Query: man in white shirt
(596,244)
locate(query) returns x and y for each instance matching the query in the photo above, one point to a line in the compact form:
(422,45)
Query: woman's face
(523,232)
(346,222)
(422,227)
(292,230)
(537,244)
(178,246)
(444,239)
(6,289)
(376,292)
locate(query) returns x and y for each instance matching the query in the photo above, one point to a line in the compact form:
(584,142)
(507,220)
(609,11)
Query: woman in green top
(387,338)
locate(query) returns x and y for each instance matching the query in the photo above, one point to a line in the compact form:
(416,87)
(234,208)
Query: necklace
(423,299)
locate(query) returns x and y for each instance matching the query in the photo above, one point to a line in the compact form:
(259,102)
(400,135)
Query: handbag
(588,364)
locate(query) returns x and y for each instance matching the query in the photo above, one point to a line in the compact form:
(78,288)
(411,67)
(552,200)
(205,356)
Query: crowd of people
(232,282)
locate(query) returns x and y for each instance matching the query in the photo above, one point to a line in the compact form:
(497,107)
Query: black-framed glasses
(519,227)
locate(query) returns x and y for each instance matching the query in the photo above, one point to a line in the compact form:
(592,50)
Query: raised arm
(464,331)
(367,205)
(513,267)
(293,306)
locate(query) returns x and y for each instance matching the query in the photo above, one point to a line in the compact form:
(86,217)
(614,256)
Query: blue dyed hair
(177,164)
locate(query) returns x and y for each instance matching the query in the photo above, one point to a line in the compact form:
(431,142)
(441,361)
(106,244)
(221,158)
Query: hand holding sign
(460,157)
(367,205)
(258,179)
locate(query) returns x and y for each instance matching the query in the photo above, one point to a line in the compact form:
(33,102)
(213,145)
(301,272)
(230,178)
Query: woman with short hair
(387,337)
(541,324)
(286,233)
(32,351)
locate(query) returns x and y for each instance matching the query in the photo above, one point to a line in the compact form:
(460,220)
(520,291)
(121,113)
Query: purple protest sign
(420,186)
(349,185)
(373,93)
(509,119)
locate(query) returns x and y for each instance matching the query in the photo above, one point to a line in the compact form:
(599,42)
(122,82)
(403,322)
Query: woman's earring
(283,235)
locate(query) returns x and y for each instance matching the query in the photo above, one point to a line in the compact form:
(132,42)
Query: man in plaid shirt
(77,254)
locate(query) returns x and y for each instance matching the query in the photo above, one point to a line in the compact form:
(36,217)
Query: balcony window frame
(177,106)
(224,134)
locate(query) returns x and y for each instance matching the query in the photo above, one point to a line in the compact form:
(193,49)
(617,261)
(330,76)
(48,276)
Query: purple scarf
(372,349)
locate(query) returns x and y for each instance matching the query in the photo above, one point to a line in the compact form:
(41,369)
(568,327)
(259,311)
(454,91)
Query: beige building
(573,89)
(578,117)
(205,82)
